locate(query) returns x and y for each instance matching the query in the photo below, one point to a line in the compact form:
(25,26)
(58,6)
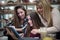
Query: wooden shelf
(13,4)
(28,3)
(7,12)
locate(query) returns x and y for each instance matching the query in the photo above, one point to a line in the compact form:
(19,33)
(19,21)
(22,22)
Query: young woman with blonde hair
(49,17)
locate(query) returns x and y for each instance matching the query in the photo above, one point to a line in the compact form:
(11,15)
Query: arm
(56,22)
(18,29)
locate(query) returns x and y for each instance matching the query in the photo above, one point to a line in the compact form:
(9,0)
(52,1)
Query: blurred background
(7,8)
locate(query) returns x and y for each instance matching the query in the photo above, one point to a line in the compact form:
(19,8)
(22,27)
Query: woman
(20,20)
(20,23)
(49,17)
(36,23)
(32,23)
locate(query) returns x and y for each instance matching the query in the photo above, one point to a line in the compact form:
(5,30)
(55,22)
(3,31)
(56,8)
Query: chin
(22,18)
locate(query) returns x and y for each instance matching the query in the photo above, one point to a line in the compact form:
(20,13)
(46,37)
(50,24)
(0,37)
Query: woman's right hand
(34,31)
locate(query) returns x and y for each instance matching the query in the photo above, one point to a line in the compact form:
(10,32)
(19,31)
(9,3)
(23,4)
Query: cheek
(19,15)
(30,22)
(23,15)
(41,10)
(38,10)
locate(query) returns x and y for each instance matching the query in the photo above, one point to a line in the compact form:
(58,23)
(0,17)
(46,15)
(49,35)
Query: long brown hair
(17,20)
(36,20)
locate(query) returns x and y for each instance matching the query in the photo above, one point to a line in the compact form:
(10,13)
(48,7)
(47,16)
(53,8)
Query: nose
(20,14)
(38,9)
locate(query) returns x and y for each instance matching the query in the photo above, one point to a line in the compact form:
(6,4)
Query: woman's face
(21,13)
(39,9)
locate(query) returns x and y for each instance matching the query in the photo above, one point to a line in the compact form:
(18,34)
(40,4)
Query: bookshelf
(7,8)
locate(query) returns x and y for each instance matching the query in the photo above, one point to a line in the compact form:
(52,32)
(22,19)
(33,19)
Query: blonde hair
(46,10)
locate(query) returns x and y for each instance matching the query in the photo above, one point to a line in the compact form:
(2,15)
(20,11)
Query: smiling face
(21,13)
(40,8)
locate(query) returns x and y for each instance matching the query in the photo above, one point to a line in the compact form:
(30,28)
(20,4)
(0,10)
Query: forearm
(19,29)
(48,30)
(52,30)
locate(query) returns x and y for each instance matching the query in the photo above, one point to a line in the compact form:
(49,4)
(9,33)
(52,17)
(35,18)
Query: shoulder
(55,15)
(55,10)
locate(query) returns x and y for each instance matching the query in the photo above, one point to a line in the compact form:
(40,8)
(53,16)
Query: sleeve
(56,22)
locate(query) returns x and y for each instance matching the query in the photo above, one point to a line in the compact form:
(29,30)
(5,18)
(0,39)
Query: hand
(34,31)
(21,34)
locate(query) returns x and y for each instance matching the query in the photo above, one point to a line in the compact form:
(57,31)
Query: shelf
(9,4)
(26,5)
(7,12)
(13,4)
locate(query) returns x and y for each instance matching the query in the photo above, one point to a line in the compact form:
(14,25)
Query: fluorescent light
(31,1)
(12,7)
(3,2)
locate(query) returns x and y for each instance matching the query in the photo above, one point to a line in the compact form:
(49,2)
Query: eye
(21,12)
(39,7)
